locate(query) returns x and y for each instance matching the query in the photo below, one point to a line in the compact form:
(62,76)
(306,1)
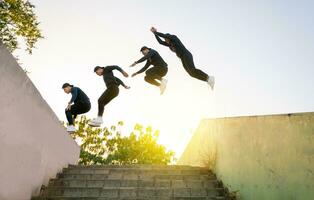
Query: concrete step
(135,171)
(121,176)
(135,167)
(150,198)
(135,183)
(130,192)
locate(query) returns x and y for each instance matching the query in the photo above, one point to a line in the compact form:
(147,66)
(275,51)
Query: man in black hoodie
(110,93)
(155,74)
(78,104)
(175,45)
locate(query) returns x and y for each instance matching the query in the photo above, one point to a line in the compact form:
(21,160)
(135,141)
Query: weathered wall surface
(33,144)
(264,157)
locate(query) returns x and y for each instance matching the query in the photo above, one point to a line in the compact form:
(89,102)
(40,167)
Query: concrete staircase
(134,182)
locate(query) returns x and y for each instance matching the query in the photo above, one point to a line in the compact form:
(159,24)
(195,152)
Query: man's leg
(151,76)
(80,108)
(106,97)
(69,116)
(74,111)
(188,64)
(161,72)
(155,73)
(70,127)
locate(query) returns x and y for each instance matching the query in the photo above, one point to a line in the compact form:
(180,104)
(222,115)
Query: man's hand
(133,64)
(68,107)
(127,87)
(125,74)
(153,29)
(134,74)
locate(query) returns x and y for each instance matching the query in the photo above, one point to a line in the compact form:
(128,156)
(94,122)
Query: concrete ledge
(265,157)
(33,144)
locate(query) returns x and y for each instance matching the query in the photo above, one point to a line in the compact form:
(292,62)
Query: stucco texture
(33,144)
(264,157)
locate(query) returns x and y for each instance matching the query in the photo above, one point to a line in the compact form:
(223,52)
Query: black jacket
(78,96)
(153,58)
(175,43)
(109,78)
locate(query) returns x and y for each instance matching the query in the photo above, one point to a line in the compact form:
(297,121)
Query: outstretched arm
(144,68)
(113,67)
(121,83)
(166,36)
(158,35)
(160,41)
(146,57)
(149,55)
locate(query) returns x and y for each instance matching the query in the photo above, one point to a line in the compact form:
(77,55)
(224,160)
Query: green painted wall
(264,157)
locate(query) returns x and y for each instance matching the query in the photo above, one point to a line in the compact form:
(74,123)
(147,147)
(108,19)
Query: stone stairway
(134,182)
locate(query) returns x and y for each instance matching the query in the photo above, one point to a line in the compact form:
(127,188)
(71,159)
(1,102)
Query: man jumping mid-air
(155,74)
(78,104)
(110,93)
(175,45)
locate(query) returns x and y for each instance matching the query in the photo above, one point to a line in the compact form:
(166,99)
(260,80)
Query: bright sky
(261,53)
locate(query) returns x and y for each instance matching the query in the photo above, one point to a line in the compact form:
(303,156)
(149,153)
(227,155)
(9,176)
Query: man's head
(145,50)
(67,88)
(99,70)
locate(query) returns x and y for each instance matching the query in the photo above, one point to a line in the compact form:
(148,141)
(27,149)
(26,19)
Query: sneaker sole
(94,125)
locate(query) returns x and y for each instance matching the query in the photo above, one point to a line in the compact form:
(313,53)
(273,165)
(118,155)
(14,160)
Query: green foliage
(109,146)
(17,19)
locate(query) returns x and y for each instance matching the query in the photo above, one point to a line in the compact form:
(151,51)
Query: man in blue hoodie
(79,104)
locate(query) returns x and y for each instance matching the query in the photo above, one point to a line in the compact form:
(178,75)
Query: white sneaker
(211,82)
(163,86)
(71,129)
(96,122)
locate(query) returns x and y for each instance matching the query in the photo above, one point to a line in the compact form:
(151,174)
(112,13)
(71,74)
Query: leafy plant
(109,146)
(18,20)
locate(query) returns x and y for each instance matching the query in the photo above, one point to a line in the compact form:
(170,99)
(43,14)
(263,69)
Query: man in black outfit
(78,104)
(110,93)
(157,72)
(175,45)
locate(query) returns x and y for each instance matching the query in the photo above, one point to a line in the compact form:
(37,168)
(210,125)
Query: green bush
(109,146)
(18,20)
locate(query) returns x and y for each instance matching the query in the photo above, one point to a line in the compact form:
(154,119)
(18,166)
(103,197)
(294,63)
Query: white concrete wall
(263,157)
(34,146)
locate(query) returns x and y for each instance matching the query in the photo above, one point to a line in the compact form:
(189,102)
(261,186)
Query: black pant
(188,64)
(156,72)
(76,109)
(110,93)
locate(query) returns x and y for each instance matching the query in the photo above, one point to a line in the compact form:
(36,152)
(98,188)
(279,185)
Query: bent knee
(148,79)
